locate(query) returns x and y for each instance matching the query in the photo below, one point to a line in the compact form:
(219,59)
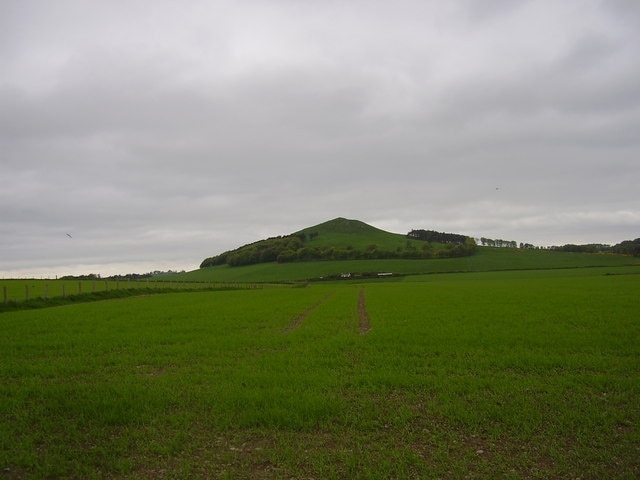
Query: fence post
(79,287)
(26,292)
(46,291)
(64,293)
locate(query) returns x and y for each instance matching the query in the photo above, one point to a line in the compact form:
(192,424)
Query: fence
(22,290)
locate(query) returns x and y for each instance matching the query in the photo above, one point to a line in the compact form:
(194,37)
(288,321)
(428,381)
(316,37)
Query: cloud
(159,133)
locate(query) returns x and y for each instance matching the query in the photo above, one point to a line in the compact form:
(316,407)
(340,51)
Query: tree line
(128,276)
(626,247)
(293,248)
(489,242)
(439,237)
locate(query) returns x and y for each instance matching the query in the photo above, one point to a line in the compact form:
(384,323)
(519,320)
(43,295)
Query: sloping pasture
(486,259)
(485,376)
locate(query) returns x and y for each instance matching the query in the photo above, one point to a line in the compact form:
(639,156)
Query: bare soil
(363,315)
(297,319)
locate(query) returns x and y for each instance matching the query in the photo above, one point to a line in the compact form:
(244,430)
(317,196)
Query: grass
(487,258)
(483,375)
(343,233)
(32,293)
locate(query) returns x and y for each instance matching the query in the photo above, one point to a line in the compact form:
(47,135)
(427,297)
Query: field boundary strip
(364,321)
(297,319)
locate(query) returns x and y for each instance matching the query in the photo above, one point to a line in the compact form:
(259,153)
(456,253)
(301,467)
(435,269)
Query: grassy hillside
(486,259)
(341,239)
(343,233)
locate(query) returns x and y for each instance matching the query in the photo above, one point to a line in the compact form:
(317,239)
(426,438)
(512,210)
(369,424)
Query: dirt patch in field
(363,315)
(297,319)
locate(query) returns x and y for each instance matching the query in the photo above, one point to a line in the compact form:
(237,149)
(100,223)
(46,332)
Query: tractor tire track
(297,319)
(363,316)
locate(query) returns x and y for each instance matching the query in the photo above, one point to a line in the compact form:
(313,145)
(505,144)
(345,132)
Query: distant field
(32,289)
(18,290)
(530,374)
(486,259)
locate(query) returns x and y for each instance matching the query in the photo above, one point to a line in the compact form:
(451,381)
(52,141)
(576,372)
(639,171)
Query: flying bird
(69,235)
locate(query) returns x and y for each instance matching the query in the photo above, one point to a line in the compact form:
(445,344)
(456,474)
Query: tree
(628,247)
(433,236)
(287,256)
(269,255)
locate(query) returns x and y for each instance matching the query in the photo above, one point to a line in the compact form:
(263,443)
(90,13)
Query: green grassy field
(19,290)
(486,258)
(517,374)
(16,293)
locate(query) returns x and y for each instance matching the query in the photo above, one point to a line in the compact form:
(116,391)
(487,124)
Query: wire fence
(24,290)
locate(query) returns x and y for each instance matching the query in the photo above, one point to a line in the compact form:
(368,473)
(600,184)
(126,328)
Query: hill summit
(346,233)
(344,239)
(344,225)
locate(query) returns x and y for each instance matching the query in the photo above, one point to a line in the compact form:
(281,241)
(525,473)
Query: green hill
(341,247)
(341,239)
(344,233)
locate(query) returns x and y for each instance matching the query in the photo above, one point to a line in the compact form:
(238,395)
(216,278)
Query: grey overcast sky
(158,133)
